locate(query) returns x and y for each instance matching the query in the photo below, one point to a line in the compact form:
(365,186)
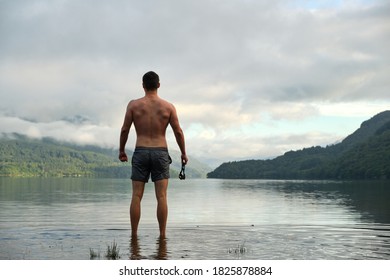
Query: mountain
(21,156)
(367,129)
(365,154)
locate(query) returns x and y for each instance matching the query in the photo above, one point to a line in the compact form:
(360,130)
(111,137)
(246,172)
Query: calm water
(63,218)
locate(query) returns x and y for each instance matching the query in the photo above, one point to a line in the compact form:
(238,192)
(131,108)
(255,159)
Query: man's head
(151,81)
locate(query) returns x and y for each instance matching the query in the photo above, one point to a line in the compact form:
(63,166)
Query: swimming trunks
(150,161)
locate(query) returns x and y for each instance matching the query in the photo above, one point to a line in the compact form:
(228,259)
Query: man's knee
(161,193)
(136,197)
(161,197)
(138,190)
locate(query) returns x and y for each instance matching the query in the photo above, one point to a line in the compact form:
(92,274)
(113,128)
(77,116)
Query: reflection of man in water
(161,253)
(151,116)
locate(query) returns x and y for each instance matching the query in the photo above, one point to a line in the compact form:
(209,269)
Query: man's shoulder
(166,102)
(135,102)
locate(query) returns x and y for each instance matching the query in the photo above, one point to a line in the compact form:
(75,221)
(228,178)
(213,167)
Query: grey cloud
(258,44)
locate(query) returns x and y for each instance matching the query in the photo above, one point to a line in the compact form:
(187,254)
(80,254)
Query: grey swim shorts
(148,161)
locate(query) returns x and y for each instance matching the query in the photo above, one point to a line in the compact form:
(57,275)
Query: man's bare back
(151,116)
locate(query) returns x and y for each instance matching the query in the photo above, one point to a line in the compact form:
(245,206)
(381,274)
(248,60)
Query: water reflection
(369,199)
(47,191)
(160,254)
(135,251)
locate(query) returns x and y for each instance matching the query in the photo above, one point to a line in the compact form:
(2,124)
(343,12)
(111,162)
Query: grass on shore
(112,252)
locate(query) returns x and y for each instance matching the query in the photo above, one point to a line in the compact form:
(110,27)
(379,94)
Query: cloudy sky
(249,78)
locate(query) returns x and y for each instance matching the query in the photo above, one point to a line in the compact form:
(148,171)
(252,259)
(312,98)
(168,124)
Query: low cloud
(81,133)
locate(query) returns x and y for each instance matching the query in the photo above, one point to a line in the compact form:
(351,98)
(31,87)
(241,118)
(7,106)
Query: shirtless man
(151,116)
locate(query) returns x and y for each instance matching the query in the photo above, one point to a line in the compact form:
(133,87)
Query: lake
(67,218)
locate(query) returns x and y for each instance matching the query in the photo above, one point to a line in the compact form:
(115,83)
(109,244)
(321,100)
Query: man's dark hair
(150,80)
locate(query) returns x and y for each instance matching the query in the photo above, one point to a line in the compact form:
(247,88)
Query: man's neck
(151,93)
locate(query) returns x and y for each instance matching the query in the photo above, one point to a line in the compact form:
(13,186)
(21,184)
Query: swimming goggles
(182,175)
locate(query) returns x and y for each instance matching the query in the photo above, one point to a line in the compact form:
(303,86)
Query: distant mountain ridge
(21,156)
(365,154)
(368,129)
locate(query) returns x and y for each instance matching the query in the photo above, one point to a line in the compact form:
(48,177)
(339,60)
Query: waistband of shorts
(165,149)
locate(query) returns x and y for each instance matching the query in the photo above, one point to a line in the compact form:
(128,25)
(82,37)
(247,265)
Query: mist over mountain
(21,156)
(365,154)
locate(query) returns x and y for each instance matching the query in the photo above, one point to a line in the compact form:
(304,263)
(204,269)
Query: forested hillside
(365,154)
(24,157)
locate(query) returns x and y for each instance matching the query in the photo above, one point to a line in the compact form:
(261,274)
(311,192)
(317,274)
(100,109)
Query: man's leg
(135,206)
(161,187)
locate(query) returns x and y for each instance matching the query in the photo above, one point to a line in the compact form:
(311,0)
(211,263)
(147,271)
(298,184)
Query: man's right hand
(123,157)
